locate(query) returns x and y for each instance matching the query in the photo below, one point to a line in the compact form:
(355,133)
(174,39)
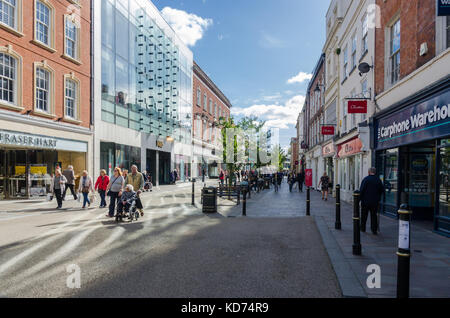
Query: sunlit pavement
(173,251)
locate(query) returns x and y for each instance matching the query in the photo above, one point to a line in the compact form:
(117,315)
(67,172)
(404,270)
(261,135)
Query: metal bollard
(308,201)
(338,225)
(356,224)
(249,191)
(244,203)
(403,252)
(193,191)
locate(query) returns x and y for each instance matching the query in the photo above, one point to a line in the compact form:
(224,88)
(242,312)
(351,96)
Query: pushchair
(133,212)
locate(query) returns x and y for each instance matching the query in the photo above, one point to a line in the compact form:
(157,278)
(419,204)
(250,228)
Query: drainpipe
(92,113)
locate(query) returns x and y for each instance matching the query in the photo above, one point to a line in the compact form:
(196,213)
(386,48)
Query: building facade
(411,129)
(355,40)
(45,91)
(315,120)
(294,158)
(209,105)
(143,91)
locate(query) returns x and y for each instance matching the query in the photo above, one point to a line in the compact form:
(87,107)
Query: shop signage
(357,106)
(424,121)
(328,150)
(18,139)
(349,148)
(328,130)
(443,7)
(308,177)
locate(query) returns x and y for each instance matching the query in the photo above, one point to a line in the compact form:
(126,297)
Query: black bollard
(338,225)
(404,252)
(244,203)
(356,224)
(249,191)
(193,191)
(308,201)
(220,190)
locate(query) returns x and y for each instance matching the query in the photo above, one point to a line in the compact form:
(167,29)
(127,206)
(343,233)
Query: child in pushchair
(127,204)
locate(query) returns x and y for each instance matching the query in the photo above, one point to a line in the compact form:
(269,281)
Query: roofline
(205,78)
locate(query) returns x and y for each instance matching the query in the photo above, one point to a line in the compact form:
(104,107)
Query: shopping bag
(92,198)
(49,197)
(79,197)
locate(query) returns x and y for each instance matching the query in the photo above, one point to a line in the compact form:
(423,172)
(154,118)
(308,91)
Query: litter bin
(209,200)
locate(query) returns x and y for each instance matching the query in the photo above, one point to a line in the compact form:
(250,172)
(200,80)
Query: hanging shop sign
(350,148)
(443,7)
(328,130)
(357,106)
(427,120)
(328,150)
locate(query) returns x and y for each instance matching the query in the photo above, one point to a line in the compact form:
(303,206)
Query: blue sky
(252,48)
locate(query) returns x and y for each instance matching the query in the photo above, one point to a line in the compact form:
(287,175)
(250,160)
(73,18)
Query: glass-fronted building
(143,92)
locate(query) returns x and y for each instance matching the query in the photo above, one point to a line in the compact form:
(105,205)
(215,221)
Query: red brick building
(412,82)
(45,109)
(209,105)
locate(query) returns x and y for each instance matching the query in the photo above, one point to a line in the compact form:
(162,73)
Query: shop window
(205,101)
(345,64)
(72,38)
(448,31)
(365,32)
(10,78)
(44,89)
(44,24)
(353,52)
(71,97)
(395,52)
(199,97)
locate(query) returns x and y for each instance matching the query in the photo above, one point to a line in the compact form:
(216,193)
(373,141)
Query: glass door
(389,177)
(442,222)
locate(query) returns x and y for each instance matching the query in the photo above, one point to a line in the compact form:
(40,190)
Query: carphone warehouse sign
(443,7)
(424,121)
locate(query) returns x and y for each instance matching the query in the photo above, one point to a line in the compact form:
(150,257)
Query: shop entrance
(442,222)
(163,168)
(418,179)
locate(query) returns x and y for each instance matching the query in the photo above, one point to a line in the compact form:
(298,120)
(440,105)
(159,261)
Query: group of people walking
(121,188)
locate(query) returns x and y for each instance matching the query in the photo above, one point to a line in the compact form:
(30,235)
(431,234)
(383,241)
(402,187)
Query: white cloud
(276,116)
(189,27)
(300,78)
(268,41)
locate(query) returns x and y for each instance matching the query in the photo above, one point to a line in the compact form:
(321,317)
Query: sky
(260,53)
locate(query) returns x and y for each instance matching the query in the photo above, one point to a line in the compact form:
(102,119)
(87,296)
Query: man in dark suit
(370,191)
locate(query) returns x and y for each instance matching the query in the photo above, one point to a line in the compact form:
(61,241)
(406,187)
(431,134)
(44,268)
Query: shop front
(328,153)
(116,155)
(412,143)
(28,162)
(350,157)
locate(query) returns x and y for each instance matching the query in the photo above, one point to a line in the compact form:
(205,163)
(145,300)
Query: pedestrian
(124,175)
(221,177)
(70,176)
(86,186)
(101,185)
(175,176)
(325,182)
(126,199)
(371,191)
(114,190)
(136,179)
(291,181)
(58,186)
(300,180)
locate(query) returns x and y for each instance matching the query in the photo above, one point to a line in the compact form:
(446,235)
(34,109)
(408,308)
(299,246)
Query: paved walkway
(430,261)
